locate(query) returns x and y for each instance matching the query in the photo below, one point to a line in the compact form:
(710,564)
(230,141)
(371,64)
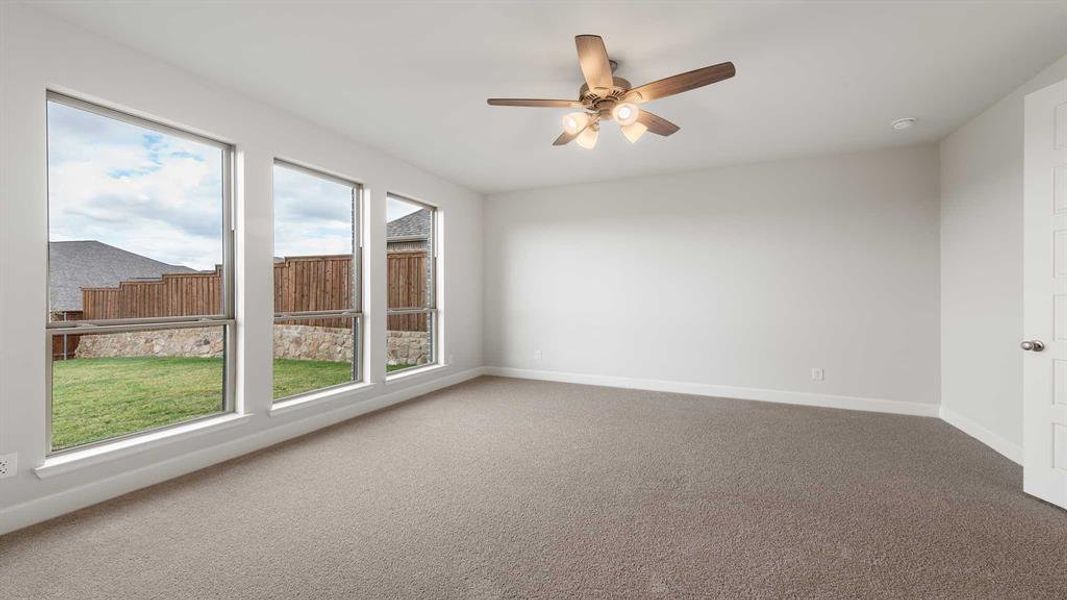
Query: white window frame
(226,319)
(432,311)
(356,311)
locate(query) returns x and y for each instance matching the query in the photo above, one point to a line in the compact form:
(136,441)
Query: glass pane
(311,354)
(135,220)
(411,342)
(314,238)
(114,384)
(409,243)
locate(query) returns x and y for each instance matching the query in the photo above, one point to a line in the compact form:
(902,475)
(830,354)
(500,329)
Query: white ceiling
(411,79)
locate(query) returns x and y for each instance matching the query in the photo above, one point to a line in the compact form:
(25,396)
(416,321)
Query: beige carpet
(501,488)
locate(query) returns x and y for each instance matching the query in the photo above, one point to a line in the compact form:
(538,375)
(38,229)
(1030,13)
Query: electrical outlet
(817,374)
(9,465)
(537,355)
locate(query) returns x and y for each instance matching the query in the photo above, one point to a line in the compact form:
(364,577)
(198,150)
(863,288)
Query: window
(318,319)
(140,275)
(411,255)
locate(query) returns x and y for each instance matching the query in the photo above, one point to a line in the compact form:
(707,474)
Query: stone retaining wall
(195,342)
(408,348)
(300,342)
(304,342)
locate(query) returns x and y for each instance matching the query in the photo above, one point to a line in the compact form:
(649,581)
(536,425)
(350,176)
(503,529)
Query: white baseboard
(69,500)
(22,515)
(721,391)
(1009,450)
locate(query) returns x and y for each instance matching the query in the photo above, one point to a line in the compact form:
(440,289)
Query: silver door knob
(1032,345)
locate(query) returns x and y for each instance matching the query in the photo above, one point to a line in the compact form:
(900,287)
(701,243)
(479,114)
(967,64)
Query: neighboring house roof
(414,226)
(87,264)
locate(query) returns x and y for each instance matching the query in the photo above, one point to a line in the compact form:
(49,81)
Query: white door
(1045,295)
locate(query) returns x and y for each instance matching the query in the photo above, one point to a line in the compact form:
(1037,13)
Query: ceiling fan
(605,97)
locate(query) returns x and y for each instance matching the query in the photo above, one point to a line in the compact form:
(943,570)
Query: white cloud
(312,215)
(150,193)
(160,195)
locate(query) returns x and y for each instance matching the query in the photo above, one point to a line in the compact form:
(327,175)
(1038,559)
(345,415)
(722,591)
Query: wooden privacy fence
(408,283)
(304,283)
(172,295)
(311,283)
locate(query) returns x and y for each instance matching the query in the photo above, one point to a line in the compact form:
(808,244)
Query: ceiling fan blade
(535,102)
(656,124)
(565,138)
(683,82)
(593,59)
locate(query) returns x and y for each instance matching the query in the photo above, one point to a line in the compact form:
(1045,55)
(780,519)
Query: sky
(151,193)
(160,195)
(396,208)
(312,215)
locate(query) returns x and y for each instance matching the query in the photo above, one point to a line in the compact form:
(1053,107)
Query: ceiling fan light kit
(634,131)
(587,138)
(574,123)
(605,97)
(625,113)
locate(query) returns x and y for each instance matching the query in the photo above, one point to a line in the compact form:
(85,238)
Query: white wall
(40,52)
(740,279)
(982,270)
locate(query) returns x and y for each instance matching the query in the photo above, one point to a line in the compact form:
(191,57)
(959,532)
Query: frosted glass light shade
(587,138)
(575,122)
(625,113)
(634,131)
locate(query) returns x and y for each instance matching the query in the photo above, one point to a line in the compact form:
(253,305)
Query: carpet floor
(502,488)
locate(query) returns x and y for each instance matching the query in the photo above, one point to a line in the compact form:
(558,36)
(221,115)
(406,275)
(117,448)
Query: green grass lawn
(99,398)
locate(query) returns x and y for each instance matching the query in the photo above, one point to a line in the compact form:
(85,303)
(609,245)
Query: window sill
(317,398)
(400,376)
(79,459)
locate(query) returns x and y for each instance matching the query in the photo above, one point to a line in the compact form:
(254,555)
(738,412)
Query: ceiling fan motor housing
(602,100)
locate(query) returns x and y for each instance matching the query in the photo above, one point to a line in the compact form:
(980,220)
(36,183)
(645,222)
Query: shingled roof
(416,225)
(86,264)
